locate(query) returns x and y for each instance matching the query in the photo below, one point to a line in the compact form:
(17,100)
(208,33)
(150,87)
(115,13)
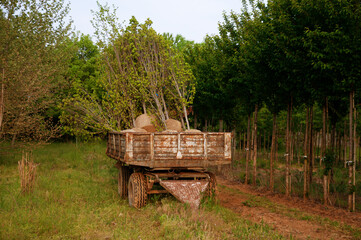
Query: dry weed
(27,171)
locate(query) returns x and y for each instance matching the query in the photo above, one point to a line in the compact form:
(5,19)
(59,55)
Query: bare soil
(292,217)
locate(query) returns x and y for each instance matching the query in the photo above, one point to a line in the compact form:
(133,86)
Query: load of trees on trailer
(284,76)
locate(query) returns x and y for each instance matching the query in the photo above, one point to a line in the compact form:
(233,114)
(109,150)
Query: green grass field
(75,197)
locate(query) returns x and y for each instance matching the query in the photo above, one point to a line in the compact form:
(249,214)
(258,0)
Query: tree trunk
(323,141)
(333,137)
(164,106)
(182,121)
(267,144)
(255,147)
(305,157)
(325,192)
(233,143)
(339,148)
(328,141)
(13,140)
(354,153)
(276,150)
(345,144)
(186,116)
(195,121)
(245,144)
(292,135)
(297,146)
(264,144)
(310,151)
(220,125)
(351,151)
(287,154)
(248,152)
(144,108)
(273,150)
(288,149)
(359,154)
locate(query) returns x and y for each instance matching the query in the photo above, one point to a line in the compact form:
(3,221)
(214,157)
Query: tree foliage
(34,53)
(140,72)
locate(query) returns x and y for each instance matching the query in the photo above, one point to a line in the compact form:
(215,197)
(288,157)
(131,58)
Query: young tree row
(284,55)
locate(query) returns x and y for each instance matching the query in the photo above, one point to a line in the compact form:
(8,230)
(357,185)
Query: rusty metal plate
(187,191)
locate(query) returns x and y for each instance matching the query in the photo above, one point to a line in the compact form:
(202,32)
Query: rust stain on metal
(187,191)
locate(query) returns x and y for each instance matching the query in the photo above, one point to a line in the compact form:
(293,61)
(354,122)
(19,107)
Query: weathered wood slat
(160,150)
(192,151)
(141,148)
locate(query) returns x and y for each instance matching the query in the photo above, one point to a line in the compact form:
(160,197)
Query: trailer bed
(167,150)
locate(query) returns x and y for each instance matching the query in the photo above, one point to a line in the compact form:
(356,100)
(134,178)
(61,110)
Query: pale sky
(193,19)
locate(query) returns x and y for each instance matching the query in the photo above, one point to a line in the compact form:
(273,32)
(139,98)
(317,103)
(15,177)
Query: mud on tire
(211,189)
(123,178)
(137,190)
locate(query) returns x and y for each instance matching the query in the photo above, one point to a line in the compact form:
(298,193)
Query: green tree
(34,53)
(140,72)
(179,42)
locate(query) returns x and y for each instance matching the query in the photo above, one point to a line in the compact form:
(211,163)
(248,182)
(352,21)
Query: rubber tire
(211,189)
(137,190)
(123,179)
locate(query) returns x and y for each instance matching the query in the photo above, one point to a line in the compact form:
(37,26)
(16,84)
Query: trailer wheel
(211,189)
(123,178)
(137,190)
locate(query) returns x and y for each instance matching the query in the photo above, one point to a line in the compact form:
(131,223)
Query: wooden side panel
(116,145)
(215,147)
(170,150)
(228,146)
(165,146)
(141,147)
(192,146)
(122,145)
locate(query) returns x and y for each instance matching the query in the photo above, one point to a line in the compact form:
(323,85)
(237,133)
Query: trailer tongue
(175,163)
(186,191)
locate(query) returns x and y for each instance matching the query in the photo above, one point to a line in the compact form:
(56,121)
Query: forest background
(282,75)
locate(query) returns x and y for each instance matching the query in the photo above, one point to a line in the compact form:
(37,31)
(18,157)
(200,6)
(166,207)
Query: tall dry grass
(27,172)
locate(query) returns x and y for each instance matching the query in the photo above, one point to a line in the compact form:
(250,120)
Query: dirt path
(289,216)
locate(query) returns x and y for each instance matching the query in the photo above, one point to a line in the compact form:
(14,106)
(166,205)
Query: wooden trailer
(161,162)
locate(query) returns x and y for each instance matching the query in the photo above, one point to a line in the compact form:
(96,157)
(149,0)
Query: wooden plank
(141,157)
(214,150)
(151,146)
(192,151)
(122,145)
(165,150)
(164,147)
(113,146)
(159,150)
(215,144)
(141,147)
(191,144)
(164,155)
(205,147)
(119,142)
(200,158)
(140,141)
(129,147)
(164,137)
(227,145)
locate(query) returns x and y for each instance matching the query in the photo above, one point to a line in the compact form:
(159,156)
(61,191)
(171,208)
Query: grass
(75,197)
(259,201)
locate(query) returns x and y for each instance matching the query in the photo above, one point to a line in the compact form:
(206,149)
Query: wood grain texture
(160,150)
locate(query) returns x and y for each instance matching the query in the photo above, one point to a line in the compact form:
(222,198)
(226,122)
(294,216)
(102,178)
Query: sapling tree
(139,72)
